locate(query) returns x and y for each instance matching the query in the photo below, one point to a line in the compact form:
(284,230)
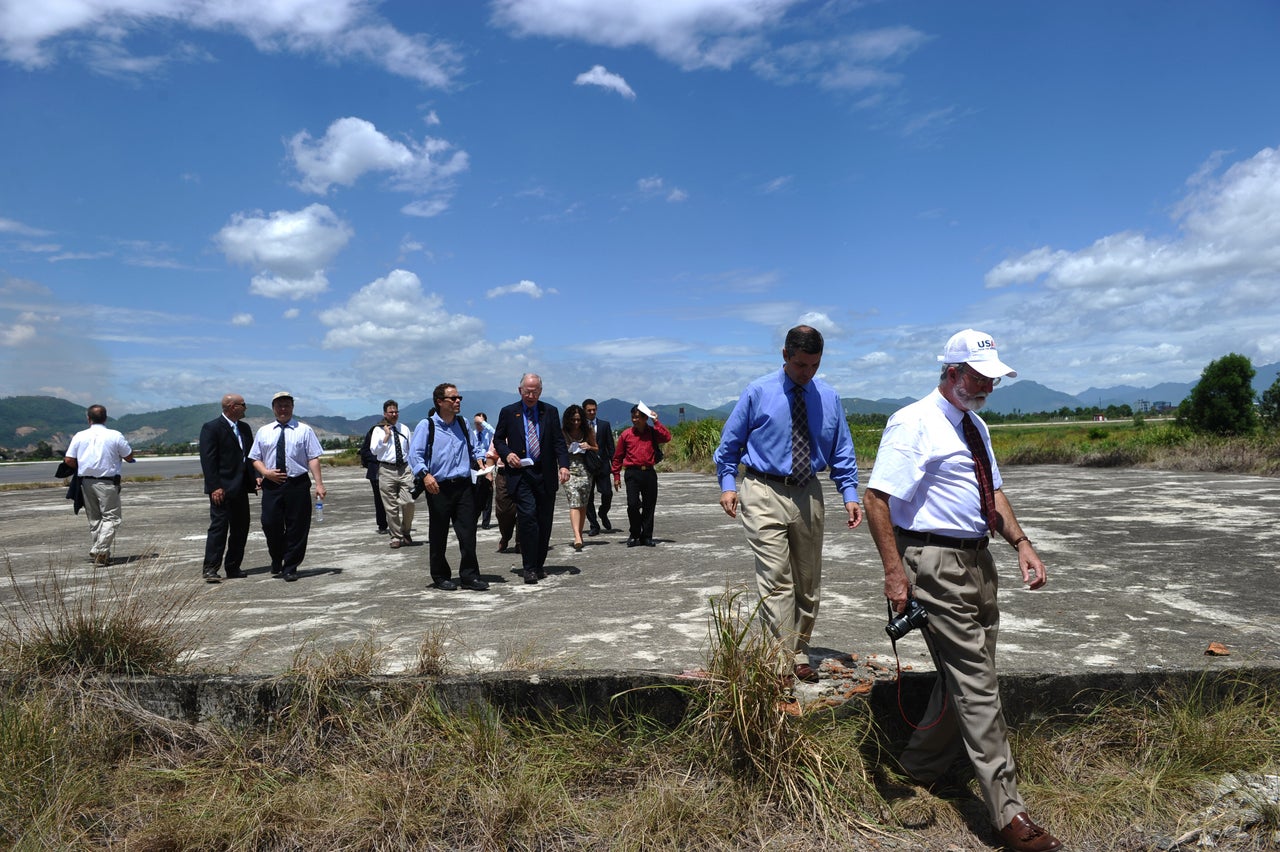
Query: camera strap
(928,641)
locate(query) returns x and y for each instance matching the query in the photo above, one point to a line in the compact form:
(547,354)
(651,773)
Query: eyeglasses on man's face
(454,398)
(978,377)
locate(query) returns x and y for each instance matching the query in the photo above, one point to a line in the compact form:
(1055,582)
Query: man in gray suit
(601,482)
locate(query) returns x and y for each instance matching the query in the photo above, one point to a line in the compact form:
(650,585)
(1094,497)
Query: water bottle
(319,511)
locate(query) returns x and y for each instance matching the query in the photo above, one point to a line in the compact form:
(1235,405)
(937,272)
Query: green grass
(83,767)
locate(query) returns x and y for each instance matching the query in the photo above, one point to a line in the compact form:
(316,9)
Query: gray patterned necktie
(801,448)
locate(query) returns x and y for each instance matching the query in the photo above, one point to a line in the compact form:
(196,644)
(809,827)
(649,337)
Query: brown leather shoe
(1023,835)
(805,672)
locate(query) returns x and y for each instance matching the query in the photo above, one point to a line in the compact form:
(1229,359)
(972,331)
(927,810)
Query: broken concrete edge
(241,702)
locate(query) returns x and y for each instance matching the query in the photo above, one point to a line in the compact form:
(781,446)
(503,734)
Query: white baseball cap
(978,350)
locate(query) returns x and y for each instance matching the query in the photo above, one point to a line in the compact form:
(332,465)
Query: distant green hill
(26,420)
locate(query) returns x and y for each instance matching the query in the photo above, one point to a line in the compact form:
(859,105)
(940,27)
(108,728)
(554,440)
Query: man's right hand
(216,496)
(276,476)
(896,587)
(729,502)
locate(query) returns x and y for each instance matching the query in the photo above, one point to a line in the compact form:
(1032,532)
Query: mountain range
(27,420)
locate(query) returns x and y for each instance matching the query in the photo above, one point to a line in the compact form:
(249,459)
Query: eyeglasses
(965,368)
(452,398)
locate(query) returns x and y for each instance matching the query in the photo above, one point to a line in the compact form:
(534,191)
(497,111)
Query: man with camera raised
(933,504)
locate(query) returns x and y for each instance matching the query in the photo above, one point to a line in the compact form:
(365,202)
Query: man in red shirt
(637,453)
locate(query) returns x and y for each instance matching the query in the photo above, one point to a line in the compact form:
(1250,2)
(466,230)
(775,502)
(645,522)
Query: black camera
(419,485)
(910,618)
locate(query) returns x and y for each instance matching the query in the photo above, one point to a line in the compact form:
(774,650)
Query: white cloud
(242,319)
(605,79)
(676,195)
(431,119)
(292,313)
(17,334)
(10,226)
(1156,306)
(821,321)
(655,186)
(633,347)
(33,34)
(850,63)
(690,33)
(393,314)
(288,250)
(777,184)
(524,288)
(353,147)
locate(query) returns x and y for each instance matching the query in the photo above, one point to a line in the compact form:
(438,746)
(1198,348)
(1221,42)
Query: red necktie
(982,468)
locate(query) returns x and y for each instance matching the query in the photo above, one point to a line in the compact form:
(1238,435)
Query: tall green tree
(1270,407)
(1222,401)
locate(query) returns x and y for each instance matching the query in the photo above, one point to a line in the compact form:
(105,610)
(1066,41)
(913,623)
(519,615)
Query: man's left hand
(855,514)
(1033,572)
(564,476)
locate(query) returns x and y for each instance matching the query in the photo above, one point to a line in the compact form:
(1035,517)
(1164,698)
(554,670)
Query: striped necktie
(801,448)
(982,469)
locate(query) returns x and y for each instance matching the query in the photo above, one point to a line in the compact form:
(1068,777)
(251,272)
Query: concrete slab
(1146,568)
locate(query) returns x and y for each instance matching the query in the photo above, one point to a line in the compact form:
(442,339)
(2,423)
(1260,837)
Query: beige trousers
(395,486)
(958,590)
(784,529)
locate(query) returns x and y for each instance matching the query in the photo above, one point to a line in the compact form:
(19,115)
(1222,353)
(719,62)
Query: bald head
(233,407)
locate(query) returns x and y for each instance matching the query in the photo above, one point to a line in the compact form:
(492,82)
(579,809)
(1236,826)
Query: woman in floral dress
(580,437)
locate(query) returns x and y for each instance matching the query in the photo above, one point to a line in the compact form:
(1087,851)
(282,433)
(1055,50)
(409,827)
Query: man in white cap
(286,454)
(933,504)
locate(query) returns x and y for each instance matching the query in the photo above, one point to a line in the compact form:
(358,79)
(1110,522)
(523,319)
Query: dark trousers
(379,511)
(228,530)
(535,504)
(503,507)
(602,484)
(454,505)
(483,499)
(642,495)
(286,521)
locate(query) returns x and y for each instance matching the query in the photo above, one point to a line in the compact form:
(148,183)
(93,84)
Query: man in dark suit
(600,482)
(529,440)
(228,480)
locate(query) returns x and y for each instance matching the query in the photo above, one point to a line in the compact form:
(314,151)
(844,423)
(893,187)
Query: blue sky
(634,198)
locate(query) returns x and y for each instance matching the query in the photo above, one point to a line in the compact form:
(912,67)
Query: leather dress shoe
(593,532)
(648,542)
(605,522)
(275,569)
(475,585)
(530,578)
(445,585)
(211,575)
(804,672)
(291,575)
(235,574)
(633,542)
(1023,835)
(502,546)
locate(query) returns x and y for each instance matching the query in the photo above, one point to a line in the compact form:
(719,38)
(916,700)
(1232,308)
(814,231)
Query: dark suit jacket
(604,440)
(509,437)
(225,464)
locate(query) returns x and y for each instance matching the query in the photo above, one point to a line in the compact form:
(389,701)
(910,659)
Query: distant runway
(42,471)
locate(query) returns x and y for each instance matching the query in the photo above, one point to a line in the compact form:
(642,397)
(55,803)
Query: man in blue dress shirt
(787,428)
(441,453)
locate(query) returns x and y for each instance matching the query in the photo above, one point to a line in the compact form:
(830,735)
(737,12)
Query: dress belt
(773,477)
(937,540)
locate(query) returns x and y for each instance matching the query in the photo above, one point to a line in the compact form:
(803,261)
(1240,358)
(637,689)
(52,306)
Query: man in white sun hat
(933,504)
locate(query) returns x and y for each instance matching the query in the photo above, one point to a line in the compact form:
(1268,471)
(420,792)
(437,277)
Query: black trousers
(483,496)
(535,503)
(602,484)
(642,495)
(228,530)
(286,521)
(453,506)
(379,511)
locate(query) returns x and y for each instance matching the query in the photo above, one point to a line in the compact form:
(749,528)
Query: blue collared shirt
(758,434)
(449,457)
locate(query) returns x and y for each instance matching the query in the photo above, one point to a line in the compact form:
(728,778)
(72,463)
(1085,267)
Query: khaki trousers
(784,529)
(395,484)
(958,590)
(102,508)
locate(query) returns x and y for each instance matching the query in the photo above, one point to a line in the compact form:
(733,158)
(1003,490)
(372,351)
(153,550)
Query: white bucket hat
(978,350)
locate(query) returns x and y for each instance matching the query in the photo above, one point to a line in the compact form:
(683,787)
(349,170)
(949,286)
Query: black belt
(107,478)
(451,480)
(773,477)
(638,466)
(936,540)
(393,464)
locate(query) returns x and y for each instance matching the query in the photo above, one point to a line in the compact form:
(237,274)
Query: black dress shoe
(475,585)
(648,542)
(530,578)
(445,585)
(235,574)
(291,575)
(211,575)
(633,542)
(604,522)
(593,532)
(275,569)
